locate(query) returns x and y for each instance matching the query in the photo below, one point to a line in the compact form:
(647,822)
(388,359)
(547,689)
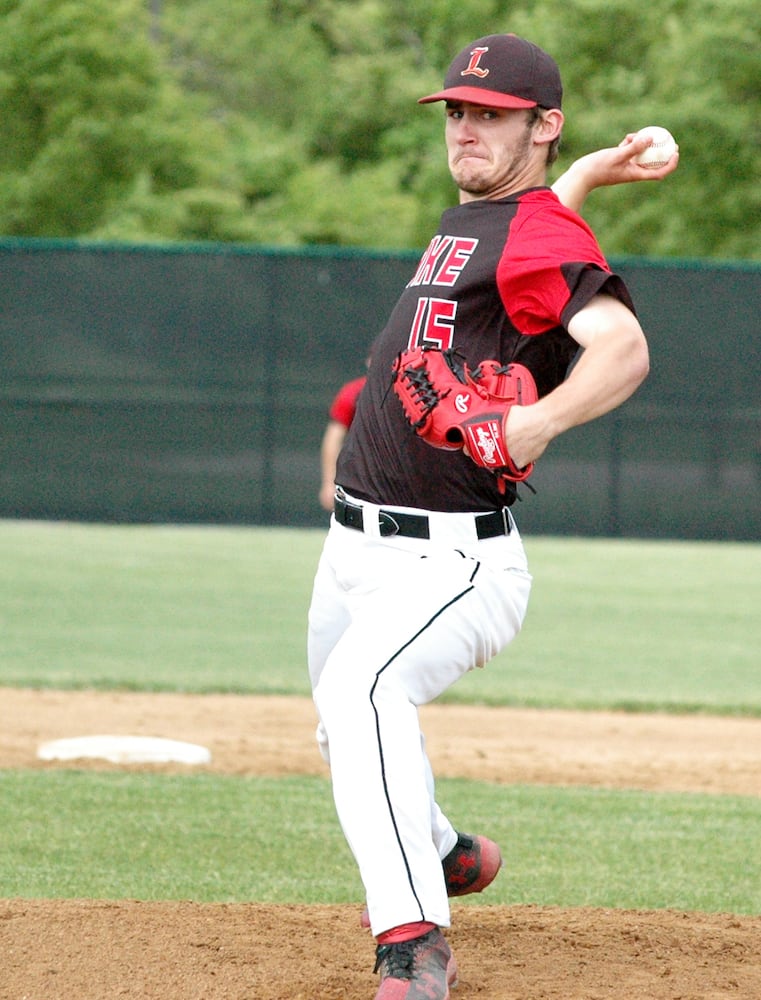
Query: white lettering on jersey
(444,261)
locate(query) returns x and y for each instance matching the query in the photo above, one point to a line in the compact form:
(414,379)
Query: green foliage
(296,122)
(98,139)
(76,91)
(695,68)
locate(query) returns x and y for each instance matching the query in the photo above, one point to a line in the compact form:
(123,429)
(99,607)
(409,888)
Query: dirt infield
(93,950)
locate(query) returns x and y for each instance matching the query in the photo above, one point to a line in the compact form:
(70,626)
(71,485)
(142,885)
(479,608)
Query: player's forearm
(573,186)
(604,167)
(332,442)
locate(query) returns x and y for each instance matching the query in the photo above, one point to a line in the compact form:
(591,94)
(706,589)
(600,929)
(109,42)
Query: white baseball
(660,150)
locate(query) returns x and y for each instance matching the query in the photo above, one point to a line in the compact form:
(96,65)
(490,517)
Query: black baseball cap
(502,71)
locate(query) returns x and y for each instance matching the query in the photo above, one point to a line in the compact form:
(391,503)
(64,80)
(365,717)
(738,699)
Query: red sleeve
(551,266)
(344,405)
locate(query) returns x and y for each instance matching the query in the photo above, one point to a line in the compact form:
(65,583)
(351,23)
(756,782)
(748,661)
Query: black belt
(496,522)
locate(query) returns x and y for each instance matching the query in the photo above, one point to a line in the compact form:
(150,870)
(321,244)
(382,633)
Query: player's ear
(548,126)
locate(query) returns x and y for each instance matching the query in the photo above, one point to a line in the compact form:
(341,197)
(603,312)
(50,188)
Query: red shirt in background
(344,406)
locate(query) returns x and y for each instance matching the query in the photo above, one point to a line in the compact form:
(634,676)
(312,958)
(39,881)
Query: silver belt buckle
(387,526)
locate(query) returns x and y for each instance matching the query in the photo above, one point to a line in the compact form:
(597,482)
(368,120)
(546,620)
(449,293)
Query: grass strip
(670,626)
(70,834)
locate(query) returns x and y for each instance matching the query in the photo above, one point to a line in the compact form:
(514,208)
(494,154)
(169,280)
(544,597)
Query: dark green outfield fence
(191,384)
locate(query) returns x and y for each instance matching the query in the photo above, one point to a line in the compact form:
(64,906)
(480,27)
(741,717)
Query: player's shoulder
(540,209)
(352,389)
(345,401)
(543,200)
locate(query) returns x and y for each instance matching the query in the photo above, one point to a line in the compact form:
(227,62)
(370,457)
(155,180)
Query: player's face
(491,151)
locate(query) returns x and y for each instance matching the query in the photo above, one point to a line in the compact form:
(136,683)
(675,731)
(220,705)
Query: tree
(295,121)
(94,131)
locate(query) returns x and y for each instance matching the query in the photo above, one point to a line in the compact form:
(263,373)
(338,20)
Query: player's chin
(470,181)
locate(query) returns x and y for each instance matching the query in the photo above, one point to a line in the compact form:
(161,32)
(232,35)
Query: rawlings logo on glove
(451,407)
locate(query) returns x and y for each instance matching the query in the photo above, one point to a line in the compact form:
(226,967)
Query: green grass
(669,626)
(635,625)
(155,608)
(627,849)
(83,834)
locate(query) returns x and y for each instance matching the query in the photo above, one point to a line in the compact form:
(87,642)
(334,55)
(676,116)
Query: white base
(125,750)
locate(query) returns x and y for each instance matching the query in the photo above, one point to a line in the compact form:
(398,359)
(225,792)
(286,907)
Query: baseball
(660,150)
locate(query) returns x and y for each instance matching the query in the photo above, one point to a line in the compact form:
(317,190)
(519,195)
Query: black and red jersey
(500,279)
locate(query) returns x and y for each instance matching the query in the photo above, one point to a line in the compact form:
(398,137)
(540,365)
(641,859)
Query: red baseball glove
(451,407)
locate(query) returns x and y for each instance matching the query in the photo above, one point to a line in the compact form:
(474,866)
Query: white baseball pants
(393,623)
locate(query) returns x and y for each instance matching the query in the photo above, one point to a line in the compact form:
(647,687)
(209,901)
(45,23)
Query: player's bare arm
(614,363)
(605,167)
(332,442)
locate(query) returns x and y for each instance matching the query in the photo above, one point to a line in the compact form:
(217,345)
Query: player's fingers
(658,173)
(634,144)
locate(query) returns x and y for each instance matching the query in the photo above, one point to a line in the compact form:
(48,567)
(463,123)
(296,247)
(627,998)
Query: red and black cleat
(471,865)
(421,969)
